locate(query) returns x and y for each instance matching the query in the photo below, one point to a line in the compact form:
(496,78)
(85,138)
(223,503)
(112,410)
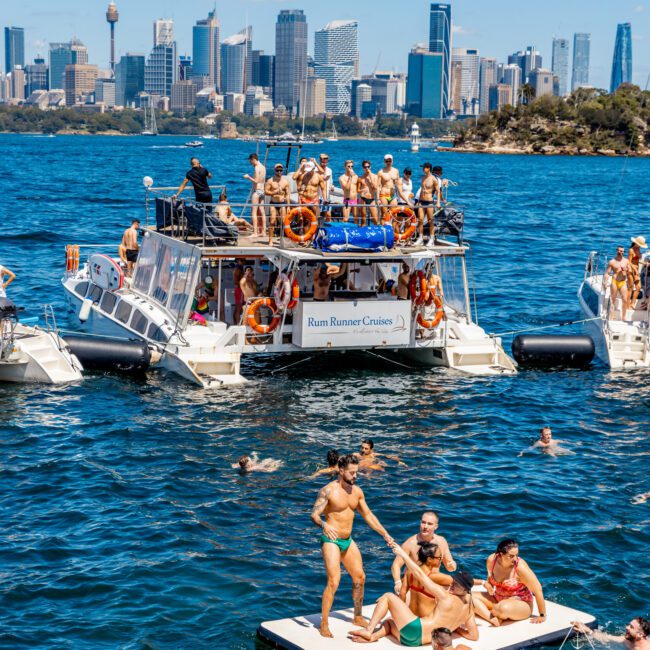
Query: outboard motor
(553,351)
(8,321)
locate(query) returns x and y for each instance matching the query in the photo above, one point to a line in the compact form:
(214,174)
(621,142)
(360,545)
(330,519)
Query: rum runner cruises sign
(352,324)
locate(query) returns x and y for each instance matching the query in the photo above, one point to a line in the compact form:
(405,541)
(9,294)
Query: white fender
(84,312)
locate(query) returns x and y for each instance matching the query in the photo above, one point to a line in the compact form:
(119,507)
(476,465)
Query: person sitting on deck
(637,634)
(453,610)
(225,213)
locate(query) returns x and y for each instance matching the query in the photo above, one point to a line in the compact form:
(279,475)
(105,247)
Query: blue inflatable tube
(348,237)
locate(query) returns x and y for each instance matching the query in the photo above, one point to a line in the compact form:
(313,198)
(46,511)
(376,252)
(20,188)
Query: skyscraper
(236,60)
(581,49)
(129,78)
(487,78)
(511,75)
(290,58)
(336,58)
(160,70)
(206,52)
(542,81)
(60,56)
(560,64)
(36,76)
(622,64)
(79,82)
(466,62)
(425,89)
(440,43)
(14,48)
(528,60)
(163,31)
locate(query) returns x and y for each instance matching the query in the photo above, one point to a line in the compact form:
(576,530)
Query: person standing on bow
(10,275)
(198,176)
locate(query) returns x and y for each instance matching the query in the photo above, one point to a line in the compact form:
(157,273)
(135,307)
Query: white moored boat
(190,248)
(622,340)
(31,354)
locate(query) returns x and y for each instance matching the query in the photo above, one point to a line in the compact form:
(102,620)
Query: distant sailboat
(150,127)
(334,137)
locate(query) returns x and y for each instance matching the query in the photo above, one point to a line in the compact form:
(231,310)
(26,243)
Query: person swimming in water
(636,637)
(252,463)
(332,464)
(547,444)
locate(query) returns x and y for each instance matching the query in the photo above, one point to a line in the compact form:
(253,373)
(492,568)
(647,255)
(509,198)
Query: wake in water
(640,498)
(252,463)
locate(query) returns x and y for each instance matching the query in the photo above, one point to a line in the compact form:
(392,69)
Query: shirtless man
(225,213)
(442,638)
(619,268)
(252,463)
(368,185)
(237,275)
(637,634)
(428,526)
(248,285)
(326,172)
(257,195)
(338,501)
(332,464)
(277,187)
(390,185)
(310,183)
(323,281)
(429,188)
(403,281)
(350,185)
(131,247)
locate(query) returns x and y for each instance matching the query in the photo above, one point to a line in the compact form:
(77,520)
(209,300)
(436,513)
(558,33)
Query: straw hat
(639,241)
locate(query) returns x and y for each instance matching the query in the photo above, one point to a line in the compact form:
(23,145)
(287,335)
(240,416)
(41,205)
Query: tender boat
(201,335)
(622,340)
(194,144)
(31,354)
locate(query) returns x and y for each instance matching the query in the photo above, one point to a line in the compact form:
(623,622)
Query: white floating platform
(301,632)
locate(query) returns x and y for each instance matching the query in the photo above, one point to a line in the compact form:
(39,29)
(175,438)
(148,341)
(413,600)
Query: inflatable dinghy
(301,632)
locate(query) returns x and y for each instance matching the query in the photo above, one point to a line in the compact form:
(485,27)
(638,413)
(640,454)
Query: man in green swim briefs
(338,501)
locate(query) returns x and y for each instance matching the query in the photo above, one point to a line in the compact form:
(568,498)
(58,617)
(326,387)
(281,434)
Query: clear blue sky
(496,28)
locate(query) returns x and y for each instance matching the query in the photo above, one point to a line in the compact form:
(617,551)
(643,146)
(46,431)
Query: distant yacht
(150,126)
(334,137)
(194,144)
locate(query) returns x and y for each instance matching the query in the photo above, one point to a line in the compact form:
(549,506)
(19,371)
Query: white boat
(622,340)
(334,137)
(363,313)
(194,144)
(150,126)
(31,354)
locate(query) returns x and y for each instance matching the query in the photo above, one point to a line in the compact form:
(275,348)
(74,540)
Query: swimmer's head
(245,463)
(428,553)
(637,629)
(348,468)
(367,446)
(545,434)
(442,636)
(508,550)
(332,458)
(428,523)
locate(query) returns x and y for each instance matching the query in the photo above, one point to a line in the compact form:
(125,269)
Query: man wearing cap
(634,258)
(277,187)
(390,184)
(310,183)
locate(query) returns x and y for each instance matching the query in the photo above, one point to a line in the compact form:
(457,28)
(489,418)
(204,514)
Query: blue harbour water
(123,523)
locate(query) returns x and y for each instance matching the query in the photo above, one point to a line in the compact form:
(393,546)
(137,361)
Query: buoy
(100,353)
(553,351)
(84,312)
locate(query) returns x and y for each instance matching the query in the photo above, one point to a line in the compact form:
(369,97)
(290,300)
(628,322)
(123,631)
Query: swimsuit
(304,201)
(411,634)
(419,590)
(425,203)
(367,201)
(510,588)
(239,296)
(131,254)
(347,202)
(619,284)
(389,197)
(343,544)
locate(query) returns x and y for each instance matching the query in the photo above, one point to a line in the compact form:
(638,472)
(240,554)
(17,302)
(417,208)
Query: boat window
(156,333)
(123,312)
(95,292)
(451,272)
(81,288)
(139,322)
(108,302)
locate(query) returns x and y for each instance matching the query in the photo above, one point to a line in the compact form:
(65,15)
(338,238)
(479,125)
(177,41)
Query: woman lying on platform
(454,610)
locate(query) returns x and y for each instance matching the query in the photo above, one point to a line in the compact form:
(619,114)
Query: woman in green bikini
(453,611)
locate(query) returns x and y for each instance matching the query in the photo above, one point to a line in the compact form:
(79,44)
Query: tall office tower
(622,63)
(499,96)
(290,58)
(206,51)
(542,81)
(440,43)
(511,76)
(78,52)
(467,63)
(163,32)
(528,60)
(17,77)
(129,79)
(79,82)
(267,70)
(581,49)
(112,17)
(185,70)
(36,76)
(426,87)
(336,60)
(487,77)
(105,92)
(14,48)
(561,64)
(161,70)
(60,56)
(236,61)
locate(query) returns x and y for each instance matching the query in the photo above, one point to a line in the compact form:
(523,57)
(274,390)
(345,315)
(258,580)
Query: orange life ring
(69,257)
(305,214)
(75,258)
(411,220)
(295,294)
(419,288)
(435,321)
(252,315)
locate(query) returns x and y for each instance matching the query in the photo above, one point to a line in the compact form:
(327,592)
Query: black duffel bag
(450,221)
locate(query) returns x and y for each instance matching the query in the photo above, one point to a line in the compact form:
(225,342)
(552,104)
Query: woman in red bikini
(422,603)
(511,585)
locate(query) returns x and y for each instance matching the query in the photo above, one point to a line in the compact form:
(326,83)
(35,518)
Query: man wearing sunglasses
(367,185)
(277,187)
(390,184)
(349,182)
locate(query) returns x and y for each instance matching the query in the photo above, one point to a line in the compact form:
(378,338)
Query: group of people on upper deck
(365,195)
(629,277)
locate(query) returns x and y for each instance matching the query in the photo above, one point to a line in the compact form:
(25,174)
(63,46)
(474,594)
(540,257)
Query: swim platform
(301,632)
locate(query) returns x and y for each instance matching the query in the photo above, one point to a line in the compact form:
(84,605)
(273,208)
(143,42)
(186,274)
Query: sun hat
(640,241)
(464,579)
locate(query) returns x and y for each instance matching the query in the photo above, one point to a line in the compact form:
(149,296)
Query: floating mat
(301,633)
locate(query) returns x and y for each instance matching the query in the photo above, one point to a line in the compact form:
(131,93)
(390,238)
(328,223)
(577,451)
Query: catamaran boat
(185,298)
(31,354)
(622,340)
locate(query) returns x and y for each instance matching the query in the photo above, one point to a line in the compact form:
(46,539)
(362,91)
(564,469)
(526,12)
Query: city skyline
(474,27)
